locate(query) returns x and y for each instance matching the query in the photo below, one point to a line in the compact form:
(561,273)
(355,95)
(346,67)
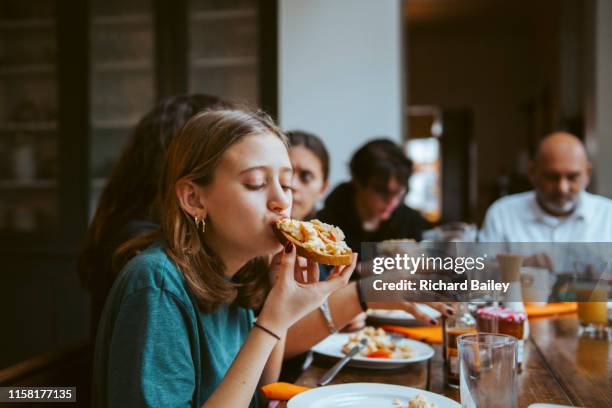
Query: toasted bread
(315,240)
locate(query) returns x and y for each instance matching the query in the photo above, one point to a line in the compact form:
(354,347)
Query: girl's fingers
(287,263)
(301,262)
(300,269)
(297,273)
(441,307)
(339,278)
(344,270)
(413,310)
(348,270)
(312,270)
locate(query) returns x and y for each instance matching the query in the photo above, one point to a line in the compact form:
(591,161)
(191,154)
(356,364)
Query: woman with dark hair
(370,207)
(310,162)
(178,327)
(126,207)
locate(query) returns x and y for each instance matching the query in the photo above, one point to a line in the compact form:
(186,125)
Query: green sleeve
(150,359)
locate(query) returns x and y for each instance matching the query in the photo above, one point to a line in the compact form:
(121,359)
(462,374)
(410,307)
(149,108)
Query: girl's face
(251,189)
(308,182)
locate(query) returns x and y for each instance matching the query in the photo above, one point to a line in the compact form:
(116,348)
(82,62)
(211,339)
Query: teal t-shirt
(154,347)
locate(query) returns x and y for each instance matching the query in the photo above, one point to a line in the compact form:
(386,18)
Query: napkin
(551,309)
(282,391)
(428,334)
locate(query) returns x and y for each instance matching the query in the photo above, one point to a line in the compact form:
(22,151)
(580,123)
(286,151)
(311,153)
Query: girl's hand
(357,323)
(411,307)
(291,299)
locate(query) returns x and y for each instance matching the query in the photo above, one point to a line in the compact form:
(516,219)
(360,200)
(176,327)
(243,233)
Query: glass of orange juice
(592,302)
(591,288)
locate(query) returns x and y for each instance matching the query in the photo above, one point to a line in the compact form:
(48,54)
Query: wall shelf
(126,19)
(114,124)
(43,126)
(223,14)
(123,66)
(27,24)
(36,184)
(224,62)
(27,69)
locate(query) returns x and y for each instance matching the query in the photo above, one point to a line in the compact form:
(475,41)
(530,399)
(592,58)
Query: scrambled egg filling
(377,341)
(316,236)
(417,402)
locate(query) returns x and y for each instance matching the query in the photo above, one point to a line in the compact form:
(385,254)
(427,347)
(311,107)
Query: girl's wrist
(272,322)
(363,304)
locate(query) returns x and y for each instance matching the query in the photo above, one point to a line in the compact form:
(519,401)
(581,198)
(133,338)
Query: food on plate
(379,344)
(417,402)
(315,240)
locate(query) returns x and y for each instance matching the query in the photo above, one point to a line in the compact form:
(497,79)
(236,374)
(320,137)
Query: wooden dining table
(560,367)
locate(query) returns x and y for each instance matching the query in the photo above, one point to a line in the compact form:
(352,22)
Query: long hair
(313,143)
(194,154)
(130,192)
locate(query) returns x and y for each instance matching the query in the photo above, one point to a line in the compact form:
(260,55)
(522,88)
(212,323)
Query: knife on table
(328,376)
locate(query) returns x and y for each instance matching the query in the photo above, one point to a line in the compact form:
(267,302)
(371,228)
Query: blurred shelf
(223,14)
(122,19)
(34,126)
(28,184)
(123,66)
(224,62)
(27,24)
(27,69)
(114,124)
(42,184)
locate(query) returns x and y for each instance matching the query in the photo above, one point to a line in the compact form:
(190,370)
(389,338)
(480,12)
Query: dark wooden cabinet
(75,77)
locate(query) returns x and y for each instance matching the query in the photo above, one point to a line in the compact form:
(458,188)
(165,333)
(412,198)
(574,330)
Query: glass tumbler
(487,370)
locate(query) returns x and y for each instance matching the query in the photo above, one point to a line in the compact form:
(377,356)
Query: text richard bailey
(423,265)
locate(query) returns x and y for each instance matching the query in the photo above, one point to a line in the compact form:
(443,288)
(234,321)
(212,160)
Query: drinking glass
(487,370)
(591,289)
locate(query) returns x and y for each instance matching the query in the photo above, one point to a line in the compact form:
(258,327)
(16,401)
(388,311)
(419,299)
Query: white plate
(549,406)
(332,347)
(400,317)
(364,395)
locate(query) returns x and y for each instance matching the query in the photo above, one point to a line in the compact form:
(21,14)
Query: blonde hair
(193,155)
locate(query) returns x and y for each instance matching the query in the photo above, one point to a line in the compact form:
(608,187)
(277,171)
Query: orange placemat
(551,309)
(428,334)
(282,391)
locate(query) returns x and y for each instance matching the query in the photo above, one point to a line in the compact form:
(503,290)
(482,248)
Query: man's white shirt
(519,218)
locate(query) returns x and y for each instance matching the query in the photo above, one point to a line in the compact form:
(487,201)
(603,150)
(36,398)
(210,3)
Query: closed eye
(254,187)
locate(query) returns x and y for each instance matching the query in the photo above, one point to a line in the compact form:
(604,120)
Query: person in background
(310,162)
(126,207)
(370,207)
(558,209)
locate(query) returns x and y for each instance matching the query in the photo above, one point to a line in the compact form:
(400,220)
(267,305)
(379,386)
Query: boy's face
(379,200)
